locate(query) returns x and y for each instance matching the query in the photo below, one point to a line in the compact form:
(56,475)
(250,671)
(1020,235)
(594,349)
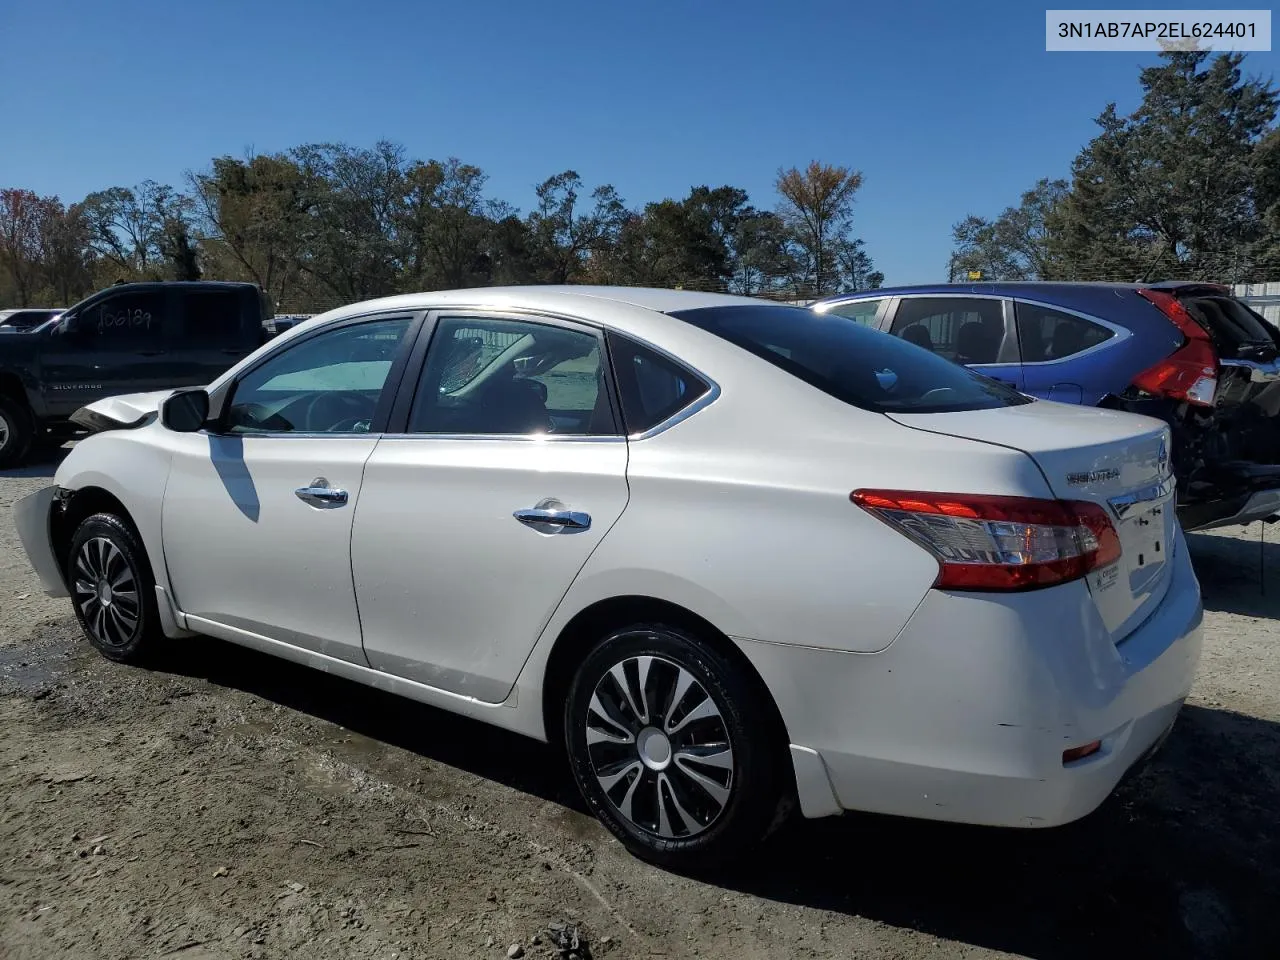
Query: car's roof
(1014,288)
(177,283)
(547,296)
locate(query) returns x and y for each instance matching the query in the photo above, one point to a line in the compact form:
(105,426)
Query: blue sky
(946,108)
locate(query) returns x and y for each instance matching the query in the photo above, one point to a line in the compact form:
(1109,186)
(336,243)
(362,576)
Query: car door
(474,519)
(1061,353)
(977,331)
(213,333)
(117,343)
(258,508)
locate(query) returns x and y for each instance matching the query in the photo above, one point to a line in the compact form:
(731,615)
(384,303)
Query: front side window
(491,376)
(125,321)
(329,383)
(1046,334)
(861,311)
(848,361)
(964,329)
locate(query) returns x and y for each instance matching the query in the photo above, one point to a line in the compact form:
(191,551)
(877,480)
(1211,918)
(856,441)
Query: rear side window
(651,387)
(212,319)
(964,329)
(1046,334)
(852,363)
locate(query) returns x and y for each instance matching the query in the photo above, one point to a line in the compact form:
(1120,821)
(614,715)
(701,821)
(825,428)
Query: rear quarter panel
(742,515)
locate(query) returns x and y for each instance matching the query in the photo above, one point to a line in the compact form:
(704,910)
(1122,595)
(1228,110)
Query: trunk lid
(1116,460)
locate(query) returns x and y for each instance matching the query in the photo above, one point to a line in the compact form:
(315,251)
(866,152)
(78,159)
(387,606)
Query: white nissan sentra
(732,555)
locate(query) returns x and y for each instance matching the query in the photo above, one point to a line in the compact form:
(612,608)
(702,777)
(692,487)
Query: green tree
(1266,163)
(1013,246)
(254,214)
(145,232)
(562,238)
(447,225)
(1168,189)
(761,253)
(857,270)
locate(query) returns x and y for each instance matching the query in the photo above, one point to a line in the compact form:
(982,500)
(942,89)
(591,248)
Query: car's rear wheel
(672,746)
(16,429)
(112,589)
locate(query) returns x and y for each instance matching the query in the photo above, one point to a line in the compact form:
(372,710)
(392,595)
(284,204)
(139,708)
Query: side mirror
(67,325)
(185,411)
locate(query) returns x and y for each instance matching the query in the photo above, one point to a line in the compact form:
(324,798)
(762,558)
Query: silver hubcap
(106,592)
(4,432)
(659,747)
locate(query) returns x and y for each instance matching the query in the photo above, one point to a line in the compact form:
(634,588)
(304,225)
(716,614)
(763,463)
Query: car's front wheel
(112,588)
(672,746)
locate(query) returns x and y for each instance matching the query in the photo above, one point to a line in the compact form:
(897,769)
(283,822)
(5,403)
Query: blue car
(1187,353)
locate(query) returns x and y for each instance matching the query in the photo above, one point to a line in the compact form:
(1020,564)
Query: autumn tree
(817,207)
(22,222)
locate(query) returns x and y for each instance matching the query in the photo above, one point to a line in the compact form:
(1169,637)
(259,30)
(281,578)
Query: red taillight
(987,542)
(1190,373)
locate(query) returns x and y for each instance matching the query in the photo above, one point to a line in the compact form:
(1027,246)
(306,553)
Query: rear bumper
(1239,510)
(31,517)
(966,715)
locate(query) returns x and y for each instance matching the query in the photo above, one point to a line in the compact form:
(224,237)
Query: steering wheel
(314,411)
(351,425)
(258,416)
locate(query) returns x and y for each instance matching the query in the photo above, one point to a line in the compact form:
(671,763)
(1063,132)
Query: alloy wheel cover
(659,747)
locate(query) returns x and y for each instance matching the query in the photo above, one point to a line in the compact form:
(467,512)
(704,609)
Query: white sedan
(733,555)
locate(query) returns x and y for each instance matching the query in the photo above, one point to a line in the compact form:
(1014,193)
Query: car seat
(513,406)
(1068,339)
(975,343)
(918,334)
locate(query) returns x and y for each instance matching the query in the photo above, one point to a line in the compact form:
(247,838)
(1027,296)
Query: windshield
(853,363)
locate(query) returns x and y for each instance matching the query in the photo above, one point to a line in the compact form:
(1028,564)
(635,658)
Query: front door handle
(554,517)
(321,495)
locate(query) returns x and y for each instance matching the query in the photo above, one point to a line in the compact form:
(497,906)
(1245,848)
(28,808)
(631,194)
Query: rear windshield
(1230,322)
(851,362)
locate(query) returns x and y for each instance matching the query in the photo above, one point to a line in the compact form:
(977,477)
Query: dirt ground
(226,804)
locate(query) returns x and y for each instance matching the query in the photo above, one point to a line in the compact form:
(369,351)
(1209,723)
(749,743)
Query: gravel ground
(225,804)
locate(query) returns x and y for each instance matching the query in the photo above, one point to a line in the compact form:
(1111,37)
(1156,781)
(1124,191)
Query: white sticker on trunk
(1106,578)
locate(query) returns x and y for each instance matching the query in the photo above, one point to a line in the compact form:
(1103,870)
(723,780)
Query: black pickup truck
(130,338)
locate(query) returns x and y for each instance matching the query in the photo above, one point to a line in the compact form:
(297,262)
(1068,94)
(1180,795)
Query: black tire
(113,590)
(17,427)
(674,821)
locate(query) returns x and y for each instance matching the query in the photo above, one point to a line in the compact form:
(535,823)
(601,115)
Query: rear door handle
(550,516)
(321,495)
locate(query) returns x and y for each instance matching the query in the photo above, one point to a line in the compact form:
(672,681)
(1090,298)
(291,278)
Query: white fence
(1263,297)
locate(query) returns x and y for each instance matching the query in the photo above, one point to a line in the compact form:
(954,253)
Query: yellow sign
(975,274)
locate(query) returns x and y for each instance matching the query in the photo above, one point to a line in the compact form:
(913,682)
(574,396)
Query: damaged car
(1190,354)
